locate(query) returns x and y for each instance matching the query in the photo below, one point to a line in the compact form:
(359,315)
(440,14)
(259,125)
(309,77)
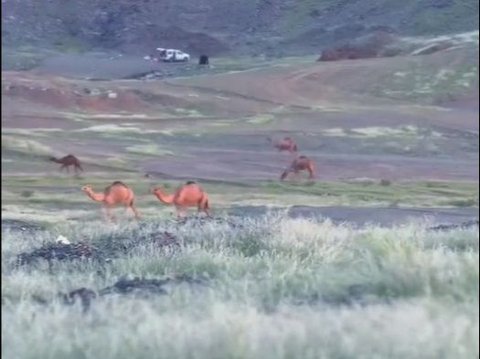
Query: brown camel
(301,163)
(118,193)
(188,195)
(287,144)
(67,161)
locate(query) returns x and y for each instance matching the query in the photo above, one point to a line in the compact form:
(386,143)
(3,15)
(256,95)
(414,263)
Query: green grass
(276,288)
(23,57)
(421,194)
(58,199)
(446,20)
(430,84)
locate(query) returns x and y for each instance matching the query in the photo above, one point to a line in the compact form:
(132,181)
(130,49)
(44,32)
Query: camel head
(156,190)
(53,159)
(162,196)
(87,188)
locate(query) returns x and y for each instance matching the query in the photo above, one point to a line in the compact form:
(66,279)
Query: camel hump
(190,182)
(119,183)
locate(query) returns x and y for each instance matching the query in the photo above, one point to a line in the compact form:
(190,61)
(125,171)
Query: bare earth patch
(213,127)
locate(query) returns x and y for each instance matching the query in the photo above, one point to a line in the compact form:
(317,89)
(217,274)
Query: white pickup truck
(172,55)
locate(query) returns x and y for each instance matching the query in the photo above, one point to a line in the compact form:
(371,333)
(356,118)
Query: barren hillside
(272,27)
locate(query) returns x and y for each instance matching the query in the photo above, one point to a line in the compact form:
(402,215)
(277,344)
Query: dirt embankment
(58,93)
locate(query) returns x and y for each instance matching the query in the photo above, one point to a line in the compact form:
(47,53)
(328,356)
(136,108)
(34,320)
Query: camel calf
(188,195)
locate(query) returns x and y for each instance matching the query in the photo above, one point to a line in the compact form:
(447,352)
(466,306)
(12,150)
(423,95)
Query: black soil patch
(59,252)
(199,221)
(124,244)
(449,227)
(21,226)
(103,251)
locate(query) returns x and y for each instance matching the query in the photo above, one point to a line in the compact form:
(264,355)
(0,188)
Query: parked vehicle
(172,55)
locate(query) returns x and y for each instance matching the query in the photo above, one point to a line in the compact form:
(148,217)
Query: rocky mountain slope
(271,27)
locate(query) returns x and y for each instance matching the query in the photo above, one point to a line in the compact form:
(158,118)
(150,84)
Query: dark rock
(60,252)
(449,227)
(83,294)
(197,220)
(165,239)
(346,52)
(137,285)
(369,46)
(21,226)
(112,247)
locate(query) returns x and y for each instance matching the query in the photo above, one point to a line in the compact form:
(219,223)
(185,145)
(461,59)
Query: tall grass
(275,288)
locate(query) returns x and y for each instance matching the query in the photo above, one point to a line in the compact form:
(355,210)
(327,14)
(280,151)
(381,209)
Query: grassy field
(58,199)
(271,287)
(293,269)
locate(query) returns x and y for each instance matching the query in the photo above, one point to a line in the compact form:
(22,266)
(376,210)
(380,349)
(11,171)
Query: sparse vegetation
(355,193)
(274,288)
(432,85)
(375,257)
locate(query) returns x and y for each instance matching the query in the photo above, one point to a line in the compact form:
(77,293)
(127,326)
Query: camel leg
(62,167)
(180,211)
(207,211)
(104,214)
(203,208)
(108,214)
(296,176)
(134,210)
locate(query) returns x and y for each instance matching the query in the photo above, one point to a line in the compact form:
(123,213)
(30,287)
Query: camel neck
(98,197)
(163,197)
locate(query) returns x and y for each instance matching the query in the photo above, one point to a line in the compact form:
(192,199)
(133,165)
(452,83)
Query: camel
(67,161)
(300,163)
(118,193)
(287,144)
(188,195)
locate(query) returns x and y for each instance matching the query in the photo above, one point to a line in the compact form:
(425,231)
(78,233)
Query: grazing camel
(287,144)
(300,163)
(118,193)
(67,161)
(188,195)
